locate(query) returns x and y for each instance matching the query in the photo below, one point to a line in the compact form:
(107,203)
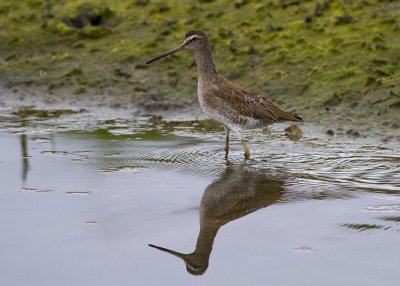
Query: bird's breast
(204,98)
(208,104)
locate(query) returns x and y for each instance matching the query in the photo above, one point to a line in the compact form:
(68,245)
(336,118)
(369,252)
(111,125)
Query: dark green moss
(297,52)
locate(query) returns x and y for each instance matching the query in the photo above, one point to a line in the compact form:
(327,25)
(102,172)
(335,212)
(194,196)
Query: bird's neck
(205,64)
(205,240)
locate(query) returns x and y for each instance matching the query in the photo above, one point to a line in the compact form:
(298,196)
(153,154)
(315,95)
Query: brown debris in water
(294,132)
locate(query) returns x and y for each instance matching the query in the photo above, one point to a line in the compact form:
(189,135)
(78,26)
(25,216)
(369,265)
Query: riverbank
(331,62)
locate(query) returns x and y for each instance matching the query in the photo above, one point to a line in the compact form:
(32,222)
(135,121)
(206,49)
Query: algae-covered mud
(334,61)
(83,193)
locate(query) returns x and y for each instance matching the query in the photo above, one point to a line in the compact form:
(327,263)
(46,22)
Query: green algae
(306,55)
(391,218)
(26,112)
(359,227)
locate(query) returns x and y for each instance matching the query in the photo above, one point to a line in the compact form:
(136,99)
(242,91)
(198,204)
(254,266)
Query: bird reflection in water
(236,193)
(25,156)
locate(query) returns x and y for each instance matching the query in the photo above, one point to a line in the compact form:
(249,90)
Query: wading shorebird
(235,194)
(233,106)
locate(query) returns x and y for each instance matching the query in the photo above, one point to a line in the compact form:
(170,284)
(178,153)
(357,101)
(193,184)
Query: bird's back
(230,102)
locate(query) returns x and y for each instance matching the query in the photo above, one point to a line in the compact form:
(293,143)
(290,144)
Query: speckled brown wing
(249,104)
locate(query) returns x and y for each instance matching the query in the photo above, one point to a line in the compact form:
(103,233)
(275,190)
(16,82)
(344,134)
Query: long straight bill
(180,48)
(178,254)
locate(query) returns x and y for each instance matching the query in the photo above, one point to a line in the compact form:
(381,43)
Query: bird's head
(194,40)
(196,264)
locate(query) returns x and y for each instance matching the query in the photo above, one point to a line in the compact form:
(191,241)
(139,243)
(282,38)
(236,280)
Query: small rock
(74,72)
(333,100)
(293,132)
(78,45)
(353,104)
(152,106)
(141,88)
(353,133)
(344,19)
(141,66)
(80,90)
(380,61)
(272,28)
(330,132)
(122,72)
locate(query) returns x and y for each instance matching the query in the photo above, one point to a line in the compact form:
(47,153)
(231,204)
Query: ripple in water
(339,162)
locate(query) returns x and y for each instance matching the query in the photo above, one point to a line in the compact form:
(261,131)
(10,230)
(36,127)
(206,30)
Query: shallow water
(83,196)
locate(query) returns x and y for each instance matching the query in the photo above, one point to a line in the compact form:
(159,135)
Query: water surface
(83,196)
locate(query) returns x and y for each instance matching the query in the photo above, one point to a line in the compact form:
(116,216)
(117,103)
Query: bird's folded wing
(249,104)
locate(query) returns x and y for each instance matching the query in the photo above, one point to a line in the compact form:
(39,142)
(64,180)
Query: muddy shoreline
(334,63)
(34,103)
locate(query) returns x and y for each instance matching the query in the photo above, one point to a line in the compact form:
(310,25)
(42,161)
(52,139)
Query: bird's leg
(245,147)
(227,131)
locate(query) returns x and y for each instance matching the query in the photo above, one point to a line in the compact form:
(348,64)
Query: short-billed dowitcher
(237,192)
(233,106)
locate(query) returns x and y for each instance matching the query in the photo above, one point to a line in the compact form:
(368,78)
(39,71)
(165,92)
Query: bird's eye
(193,40)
